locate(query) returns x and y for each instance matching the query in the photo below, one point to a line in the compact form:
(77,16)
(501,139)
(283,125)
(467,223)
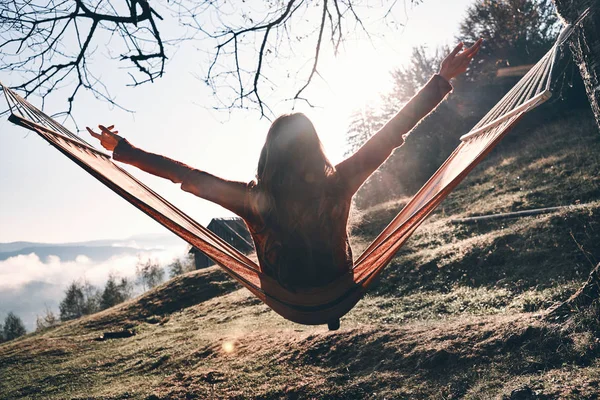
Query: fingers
(94,134)
(108,130)
(457,49)
(471,51)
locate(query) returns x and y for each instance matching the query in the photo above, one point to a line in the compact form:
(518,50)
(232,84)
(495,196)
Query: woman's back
(305,245)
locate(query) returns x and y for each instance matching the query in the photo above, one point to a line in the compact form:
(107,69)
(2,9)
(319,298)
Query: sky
(45,197)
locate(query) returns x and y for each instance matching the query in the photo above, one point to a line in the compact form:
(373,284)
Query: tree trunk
(585,45)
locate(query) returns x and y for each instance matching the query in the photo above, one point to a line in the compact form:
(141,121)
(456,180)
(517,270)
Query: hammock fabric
(323,304)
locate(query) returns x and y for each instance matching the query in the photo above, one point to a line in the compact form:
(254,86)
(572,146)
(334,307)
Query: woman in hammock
(297,208)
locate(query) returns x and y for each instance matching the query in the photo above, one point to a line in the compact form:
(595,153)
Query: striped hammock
(323,304)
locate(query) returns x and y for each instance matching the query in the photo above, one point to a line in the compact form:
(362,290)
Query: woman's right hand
(457,62)
(108,138)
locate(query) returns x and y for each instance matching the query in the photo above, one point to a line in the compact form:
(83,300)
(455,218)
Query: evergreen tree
(80,299)
(516,32)
(115,292)
(92,298)
(149,274)
(73,305)
(48,320)
(363,124)
(189,259)
(408,79)
(176,268)
(183,264)
(13,327)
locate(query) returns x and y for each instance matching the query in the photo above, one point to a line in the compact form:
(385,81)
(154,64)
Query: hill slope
(453,316)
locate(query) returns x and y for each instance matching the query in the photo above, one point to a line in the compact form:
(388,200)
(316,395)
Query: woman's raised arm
(358,167)
(228,194)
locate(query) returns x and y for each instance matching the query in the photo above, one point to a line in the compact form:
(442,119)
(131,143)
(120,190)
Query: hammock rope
(328,303)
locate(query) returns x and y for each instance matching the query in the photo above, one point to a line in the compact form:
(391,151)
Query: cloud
(28,284)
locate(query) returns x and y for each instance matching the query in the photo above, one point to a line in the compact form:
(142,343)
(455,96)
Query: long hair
(292,156)
(292,181)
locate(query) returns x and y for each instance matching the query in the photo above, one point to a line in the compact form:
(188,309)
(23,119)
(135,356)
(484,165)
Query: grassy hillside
(457,314)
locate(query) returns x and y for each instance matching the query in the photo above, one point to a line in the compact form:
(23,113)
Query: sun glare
(359,80)
(228,347)
(351,81)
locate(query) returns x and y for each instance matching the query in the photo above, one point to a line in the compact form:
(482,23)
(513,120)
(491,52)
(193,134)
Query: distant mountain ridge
(97,250)
(16,246)
(70,253)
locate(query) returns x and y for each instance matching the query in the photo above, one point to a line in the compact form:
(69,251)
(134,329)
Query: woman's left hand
(456,63)
(108,138)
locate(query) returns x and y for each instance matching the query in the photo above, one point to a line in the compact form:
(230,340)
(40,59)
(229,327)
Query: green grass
(457,313)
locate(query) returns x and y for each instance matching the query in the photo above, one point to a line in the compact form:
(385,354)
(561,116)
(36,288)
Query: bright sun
(358,79)
(352,81)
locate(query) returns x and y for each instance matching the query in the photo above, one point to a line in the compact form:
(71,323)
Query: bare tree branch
(250,44)
(317,51)
(52,44)
(49,43)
